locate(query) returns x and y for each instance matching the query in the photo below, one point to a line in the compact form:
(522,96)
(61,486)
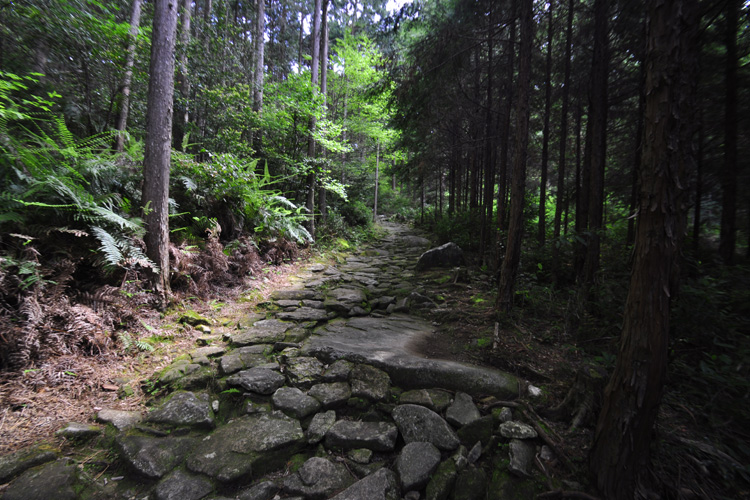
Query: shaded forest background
(296,123)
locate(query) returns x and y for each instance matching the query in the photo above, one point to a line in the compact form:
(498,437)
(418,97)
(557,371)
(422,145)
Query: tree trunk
(518,188)
(542,225)
(314,64)
(155,198)
(502,178)
(487,231)
(620,455)
(122,120)
(377,180)
(258,80)
(182,73)
(561,162)
(597,132)
(728,233)
(322,195)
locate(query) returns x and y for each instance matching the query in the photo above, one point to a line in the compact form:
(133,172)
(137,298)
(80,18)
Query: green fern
(129,343)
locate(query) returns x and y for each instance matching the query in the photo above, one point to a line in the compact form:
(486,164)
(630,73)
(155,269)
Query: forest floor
(538,348)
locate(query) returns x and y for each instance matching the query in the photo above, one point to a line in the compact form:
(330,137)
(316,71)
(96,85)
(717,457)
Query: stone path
(322,396)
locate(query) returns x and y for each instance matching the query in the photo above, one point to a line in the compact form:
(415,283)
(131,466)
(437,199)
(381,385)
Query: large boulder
(416,463)
(448,255)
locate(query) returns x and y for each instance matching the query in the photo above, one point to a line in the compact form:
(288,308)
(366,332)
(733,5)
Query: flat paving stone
(387,343)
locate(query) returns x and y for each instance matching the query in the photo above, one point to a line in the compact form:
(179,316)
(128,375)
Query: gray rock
(435,399)
(122,420)
(293,295)
(471,484)
(331,394)
(338,371)
(262,491)
(79,431)
(318,478)
(517,430)
(15,463)
(259,443)
(258,380)
(414,241)
(349,434)
(54,480)
(182,486)
(521,454)
(384,301)
(380,485)
(304,371)
(240,359)
(153,457)
(369,382)
(386,343)
(448,255)
(418,423)
(303,314)
(502,415)
(266,331)
(341,300)
(319,425)
(463,410)
(360,455)
(357,311)
(416,463)
(475,453)
(208,352)
(294,402)
(184,408)
(314,304)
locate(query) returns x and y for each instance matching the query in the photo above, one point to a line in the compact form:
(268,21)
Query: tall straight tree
(509,268)
(542,226)
(620,455)
(561,199)
(182,70)
(315,63)
(155,198)
(322,198)
(596,136)
(728,234)
(260,43)
(127,78)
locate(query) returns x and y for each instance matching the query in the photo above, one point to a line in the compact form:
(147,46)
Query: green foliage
(53,184)
(131,344)
(237,195)
(356,213)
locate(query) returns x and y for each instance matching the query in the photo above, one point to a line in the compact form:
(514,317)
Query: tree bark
(620,454)
(127,78)
(542,223)
(323,193)
(502,178)
(518,188)
(258,80)
(561,162)
(155,198)
(597,133)
(377,180)
(311,141)
(728,232)
(487,229)
(182,71)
